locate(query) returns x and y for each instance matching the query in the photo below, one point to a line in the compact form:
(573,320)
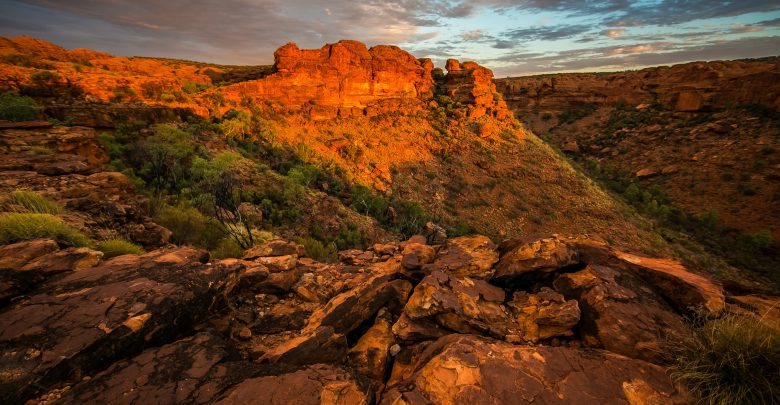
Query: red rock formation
(689,87)
(338,79)
(471,84)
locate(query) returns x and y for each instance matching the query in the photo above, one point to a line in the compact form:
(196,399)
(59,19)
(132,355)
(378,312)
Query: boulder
(463,369)
(534,257)
(408,329)
(621,313)
(318,384)
(685,290)
(543,315)
(348,310)
(467,256)
(13,258)
(276,247)
(81,322)
(370,356)
(461,304)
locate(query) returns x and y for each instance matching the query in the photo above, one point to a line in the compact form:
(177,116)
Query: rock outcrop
(80,323)
(171,327)
(465,369)
(689,87)
(66,164)
(340,79)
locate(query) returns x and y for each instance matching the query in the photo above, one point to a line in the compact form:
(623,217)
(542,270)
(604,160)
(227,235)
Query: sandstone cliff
(696,86)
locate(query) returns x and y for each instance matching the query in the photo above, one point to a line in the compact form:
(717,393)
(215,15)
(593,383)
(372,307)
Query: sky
(513,38)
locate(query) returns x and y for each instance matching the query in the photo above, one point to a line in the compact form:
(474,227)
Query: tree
(219,182)
(166,157)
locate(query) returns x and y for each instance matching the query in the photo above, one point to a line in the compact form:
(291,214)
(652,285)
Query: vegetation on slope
(731,360)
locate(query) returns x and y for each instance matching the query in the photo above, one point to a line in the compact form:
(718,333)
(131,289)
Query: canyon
(353,225)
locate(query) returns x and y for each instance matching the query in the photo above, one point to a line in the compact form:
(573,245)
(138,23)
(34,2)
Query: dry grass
(731,360)
(117,247)
(20,227)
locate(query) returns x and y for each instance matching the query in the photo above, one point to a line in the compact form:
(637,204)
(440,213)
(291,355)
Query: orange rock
(337,78)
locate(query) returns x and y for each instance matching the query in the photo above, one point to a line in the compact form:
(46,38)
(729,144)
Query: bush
(317,250)
(190,227)
(14,107)
(227,248)
(117,247)
(20,227)
(30,201)
(731,360)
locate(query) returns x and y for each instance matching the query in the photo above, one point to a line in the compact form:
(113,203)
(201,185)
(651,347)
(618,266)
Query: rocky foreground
(549,320)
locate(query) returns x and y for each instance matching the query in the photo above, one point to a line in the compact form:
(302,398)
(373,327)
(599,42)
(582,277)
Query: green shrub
(20,227)
(30,201)
(315,249)
(14,107)
(190,227)
(731,360)
(117,247)
(226,248)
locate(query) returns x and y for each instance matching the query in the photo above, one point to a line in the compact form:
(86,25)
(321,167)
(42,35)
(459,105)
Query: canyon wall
(690,87)
(347,78)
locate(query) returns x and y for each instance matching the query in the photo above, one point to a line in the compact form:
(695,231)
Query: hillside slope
(431,145)
(701,138)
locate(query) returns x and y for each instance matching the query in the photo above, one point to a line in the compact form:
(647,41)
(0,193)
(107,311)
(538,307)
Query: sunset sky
(511,37)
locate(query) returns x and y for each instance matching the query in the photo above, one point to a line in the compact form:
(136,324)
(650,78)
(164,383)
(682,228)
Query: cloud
(741,28)
(614,33)
(621,58)
(635,49)
(512,35)
(472,35)
(545,33)
(233,31)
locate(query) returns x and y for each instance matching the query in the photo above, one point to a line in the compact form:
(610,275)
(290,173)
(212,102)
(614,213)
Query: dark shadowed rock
(321,345)
(81,322)
(621,313)
(13,258)
(370,355)
(189,370)
(348,310)
(315,385)
(417,329)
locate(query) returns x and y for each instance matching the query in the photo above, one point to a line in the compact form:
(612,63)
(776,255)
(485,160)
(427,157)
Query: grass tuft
(731,360)
(19,227)
(117,247)
(227,248)
(30,201)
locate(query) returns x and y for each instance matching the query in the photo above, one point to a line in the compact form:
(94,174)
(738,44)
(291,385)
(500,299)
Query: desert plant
(29,201)
(315,249)
(20,227)
(731,360)
(220,182)
(14,107)
(227,248)
(190,227)
(117,247)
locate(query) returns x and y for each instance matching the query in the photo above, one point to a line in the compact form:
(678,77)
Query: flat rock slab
(464,369)
(80,323)
(315,385)
(190,370)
